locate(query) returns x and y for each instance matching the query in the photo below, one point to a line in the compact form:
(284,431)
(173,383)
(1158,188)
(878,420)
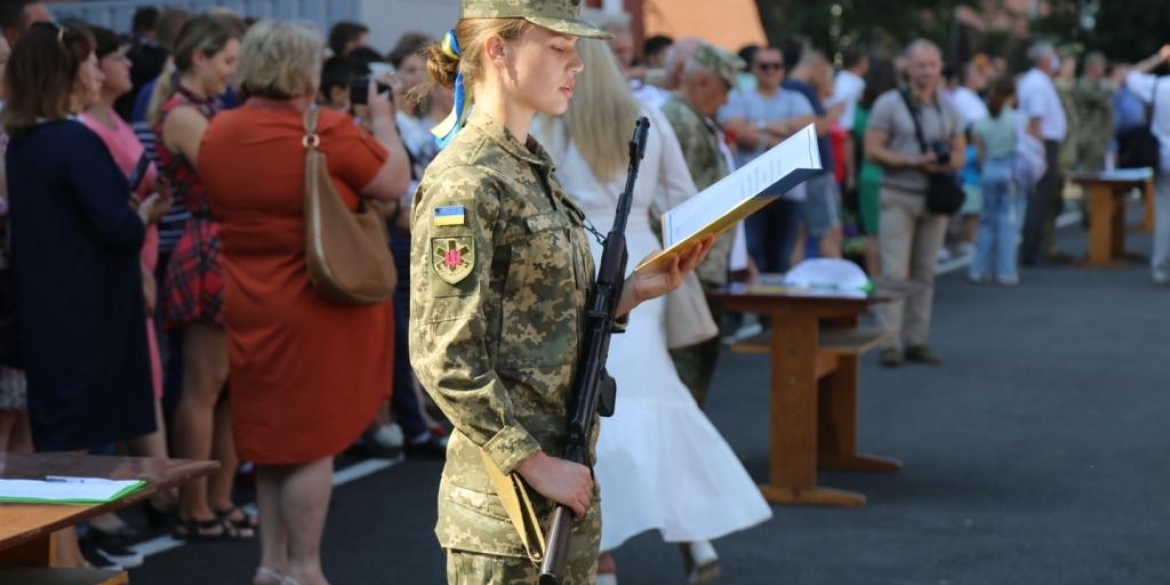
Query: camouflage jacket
(1094,100)
(700,148)
(500,272)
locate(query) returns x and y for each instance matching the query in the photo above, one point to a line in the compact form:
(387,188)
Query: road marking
(352,473)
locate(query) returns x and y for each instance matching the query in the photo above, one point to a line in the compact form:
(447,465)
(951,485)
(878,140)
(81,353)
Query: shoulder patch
(452,257)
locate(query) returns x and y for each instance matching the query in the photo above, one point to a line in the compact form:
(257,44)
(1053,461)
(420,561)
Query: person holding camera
(910,233)
(307,375)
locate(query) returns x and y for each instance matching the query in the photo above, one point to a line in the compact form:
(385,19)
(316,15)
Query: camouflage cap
(723,63)
(562,16)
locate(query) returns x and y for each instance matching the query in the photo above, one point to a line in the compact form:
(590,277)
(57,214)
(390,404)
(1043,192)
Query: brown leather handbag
(347,253)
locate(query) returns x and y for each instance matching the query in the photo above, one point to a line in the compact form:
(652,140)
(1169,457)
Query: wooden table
(1106,203)
(813,386)
(26,530)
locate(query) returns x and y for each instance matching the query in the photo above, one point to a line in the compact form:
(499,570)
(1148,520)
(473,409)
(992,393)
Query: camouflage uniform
(496,320)
(1094,103)
(699,138)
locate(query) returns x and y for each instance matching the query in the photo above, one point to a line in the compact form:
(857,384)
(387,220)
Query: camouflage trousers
(696,363)
(468,568)
(472,568)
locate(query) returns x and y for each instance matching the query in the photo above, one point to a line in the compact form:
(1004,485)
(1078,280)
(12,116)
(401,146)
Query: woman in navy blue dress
(75,244)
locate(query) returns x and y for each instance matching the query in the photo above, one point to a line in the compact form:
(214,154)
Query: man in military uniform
(707,79)
(1094,104)
(501,271)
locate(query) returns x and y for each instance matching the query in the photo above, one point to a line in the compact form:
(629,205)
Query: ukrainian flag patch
(450,215)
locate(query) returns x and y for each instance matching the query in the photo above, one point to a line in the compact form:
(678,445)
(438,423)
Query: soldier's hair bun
(443,68)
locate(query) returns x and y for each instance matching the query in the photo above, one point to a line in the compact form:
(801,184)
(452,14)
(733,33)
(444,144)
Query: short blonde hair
(280,60)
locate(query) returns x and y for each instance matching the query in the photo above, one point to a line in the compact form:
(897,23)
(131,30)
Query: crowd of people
(158,301)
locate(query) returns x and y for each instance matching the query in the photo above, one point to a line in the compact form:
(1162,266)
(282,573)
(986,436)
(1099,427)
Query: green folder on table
(66,490)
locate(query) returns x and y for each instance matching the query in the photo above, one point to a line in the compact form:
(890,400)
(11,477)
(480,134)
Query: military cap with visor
(559,16)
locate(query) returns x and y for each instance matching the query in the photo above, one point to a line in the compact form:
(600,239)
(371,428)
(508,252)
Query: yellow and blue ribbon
(449,127)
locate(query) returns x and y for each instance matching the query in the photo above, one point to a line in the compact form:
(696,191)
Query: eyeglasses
(772,66)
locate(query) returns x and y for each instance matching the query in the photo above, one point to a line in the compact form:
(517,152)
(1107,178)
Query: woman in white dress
(661,464)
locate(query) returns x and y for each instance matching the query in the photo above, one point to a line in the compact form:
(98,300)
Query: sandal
(268,576)
(246,521)
(193,530)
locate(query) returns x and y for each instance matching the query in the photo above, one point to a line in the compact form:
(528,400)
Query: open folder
(66,490)
(740,194)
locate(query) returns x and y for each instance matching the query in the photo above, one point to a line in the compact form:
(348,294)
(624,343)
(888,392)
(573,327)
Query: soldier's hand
(652,283)
(564,482)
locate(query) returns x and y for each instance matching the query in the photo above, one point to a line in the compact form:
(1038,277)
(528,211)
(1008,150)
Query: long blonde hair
(602,111)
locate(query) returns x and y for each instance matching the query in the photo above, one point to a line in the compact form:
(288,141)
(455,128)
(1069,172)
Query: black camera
(942,151)
(359,91)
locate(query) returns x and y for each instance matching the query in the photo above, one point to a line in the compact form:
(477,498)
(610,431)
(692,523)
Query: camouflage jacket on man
(1094,103)
(500,271)
(699,140)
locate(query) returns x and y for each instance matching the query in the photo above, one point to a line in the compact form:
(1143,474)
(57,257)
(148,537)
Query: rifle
(594,387)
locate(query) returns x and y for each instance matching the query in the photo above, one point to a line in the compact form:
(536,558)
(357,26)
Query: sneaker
(96,558)
(703,563)
(922,354)
(976,278)
(1008,280)
(890,358)
(389,436)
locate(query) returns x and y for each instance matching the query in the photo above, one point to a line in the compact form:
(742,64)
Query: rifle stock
(600,313)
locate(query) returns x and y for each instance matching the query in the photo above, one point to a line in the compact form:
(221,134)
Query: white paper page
(771,174)
(77,489)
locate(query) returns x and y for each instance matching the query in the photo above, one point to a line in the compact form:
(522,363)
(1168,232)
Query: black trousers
(1045,202)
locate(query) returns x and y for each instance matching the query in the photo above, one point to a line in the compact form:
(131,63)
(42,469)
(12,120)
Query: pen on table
(67,479)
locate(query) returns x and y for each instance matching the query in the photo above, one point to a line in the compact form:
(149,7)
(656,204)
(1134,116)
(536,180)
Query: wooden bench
(62,577)
(834,343)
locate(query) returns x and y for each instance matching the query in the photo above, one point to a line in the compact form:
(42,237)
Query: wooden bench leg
(837,436)
(792,476)
(1101,225)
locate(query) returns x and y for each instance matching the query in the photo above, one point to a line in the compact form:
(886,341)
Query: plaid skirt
(193,286)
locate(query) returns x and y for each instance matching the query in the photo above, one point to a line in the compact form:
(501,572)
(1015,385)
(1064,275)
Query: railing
(117,14)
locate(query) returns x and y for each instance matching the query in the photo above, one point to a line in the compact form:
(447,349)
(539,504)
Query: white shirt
(1142,85)
(847,90)
(969,105)
(649,95)
(1038,99)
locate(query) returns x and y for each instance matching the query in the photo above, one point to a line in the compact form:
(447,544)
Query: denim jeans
(999,226)
(771,234)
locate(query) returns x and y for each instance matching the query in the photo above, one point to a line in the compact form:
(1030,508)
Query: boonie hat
(561,16)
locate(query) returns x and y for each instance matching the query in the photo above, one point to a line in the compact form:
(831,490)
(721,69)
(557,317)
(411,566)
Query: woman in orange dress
(307,375)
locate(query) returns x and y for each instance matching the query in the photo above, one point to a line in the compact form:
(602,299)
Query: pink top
(126,149)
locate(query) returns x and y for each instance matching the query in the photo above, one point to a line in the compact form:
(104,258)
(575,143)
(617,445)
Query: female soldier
(501,271)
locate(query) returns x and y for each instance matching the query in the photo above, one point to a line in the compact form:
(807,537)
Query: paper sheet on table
(1139,174)
(738,195)
(71,491)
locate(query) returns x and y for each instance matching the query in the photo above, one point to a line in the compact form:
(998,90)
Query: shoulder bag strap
(311,140)
(914,116)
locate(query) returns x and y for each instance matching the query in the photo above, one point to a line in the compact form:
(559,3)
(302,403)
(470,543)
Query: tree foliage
(1123,30)
(877,24)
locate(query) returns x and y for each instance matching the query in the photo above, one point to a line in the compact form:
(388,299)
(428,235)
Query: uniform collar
(532,152)
(708,122)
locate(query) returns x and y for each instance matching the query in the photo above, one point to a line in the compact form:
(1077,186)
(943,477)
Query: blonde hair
(207,34)
(279,60)
(472,34)
(602,111)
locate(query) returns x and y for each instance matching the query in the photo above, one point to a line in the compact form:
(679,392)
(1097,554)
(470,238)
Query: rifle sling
(514,497)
